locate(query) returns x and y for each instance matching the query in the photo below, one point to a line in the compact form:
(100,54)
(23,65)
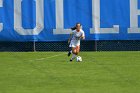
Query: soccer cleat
(70,60)
(69,54)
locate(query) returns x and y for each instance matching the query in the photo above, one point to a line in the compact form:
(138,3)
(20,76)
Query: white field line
(40,59)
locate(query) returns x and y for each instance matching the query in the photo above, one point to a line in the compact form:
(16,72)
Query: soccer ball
(79,59)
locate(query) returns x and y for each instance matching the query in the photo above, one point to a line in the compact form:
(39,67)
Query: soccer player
(74,40)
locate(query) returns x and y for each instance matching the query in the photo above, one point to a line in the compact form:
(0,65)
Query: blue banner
(51,20)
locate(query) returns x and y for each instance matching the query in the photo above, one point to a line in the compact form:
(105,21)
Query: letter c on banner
(39,18)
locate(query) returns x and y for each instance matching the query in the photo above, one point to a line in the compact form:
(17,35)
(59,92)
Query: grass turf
(51,72)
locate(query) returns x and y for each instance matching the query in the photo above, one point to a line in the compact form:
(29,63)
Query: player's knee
(74,52)
(77,53)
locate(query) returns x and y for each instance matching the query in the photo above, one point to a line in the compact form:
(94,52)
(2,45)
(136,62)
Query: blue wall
(112,12)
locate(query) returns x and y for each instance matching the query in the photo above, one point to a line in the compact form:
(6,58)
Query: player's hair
(73,28)
(78,23)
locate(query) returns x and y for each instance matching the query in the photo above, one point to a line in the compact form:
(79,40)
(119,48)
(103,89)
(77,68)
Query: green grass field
(51,72)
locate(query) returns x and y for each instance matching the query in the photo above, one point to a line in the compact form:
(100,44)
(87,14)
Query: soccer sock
(73,56)
(71,51)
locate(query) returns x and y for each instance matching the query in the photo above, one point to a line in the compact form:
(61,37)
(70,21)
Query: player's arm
(70,37)
(83,36)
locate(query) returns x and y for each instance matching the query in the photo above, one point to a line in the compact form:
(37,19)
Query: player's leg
(73,53)
(77,49)
(73,47)
(70,52)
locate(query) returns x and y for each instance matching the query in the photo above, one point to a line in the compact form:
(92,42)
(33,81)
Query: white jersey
(75,41)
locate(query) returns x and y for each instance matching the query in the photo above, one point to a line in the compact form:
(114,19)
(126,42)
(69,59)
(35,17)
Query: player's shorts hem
(72,45)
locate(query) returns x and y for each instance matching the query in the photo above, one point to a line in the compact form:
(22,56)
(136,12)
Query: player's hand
(68,41)
(82,37)
(79,38)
